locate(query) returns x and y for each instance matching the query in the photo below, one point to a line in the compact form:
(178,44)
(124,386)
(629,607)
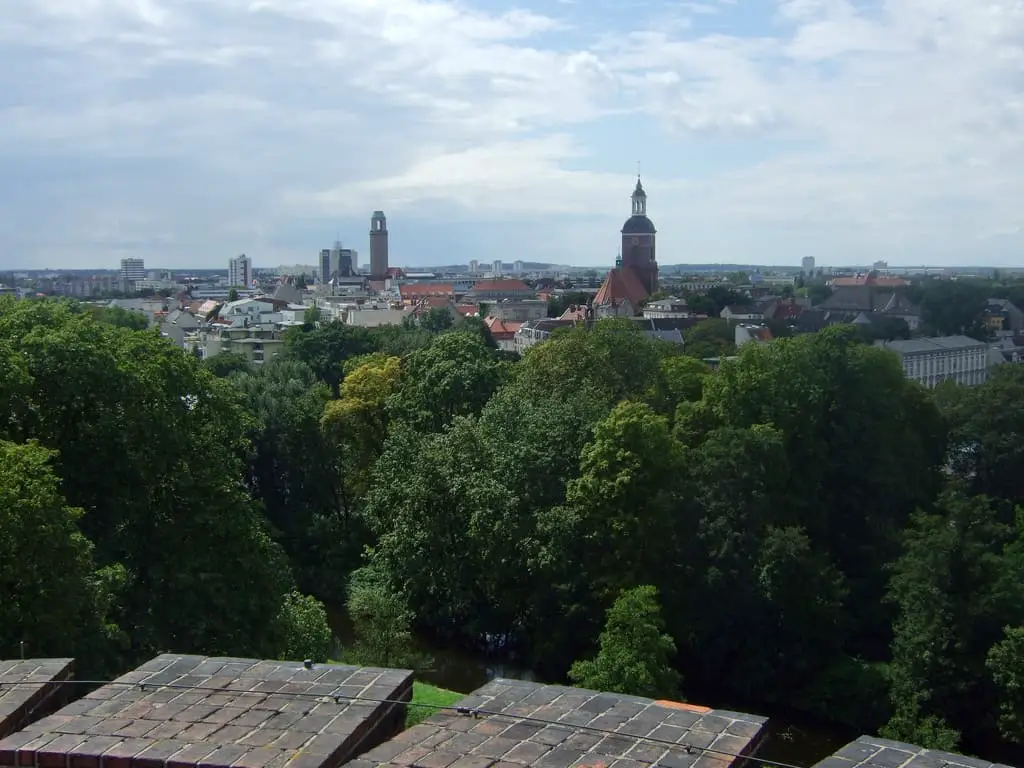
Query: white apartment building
(941,358)
(664,308)
(132,270)
(240,272)
(807,264)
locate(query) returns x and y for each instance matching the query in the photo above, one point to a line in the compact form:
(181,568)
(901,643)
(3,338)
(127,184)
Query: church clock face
(636,240)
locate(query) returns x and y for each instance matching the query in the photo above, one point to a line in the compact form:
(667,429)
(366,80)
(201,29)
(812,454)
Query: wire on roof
(474,712)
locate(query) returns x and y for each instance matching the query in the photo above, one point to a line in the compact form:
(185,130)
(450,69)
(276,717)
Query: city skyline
(767,132)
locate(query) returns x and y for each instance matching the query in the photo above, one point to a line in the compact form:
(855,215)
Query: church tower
(638,234)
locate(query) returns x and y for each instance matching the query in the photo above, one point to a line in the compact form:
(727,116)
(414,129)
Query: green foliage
(121,318)
(1006,664)
(710,338)
(425,702)
(54,601)
(233,295)
(635,655)
(455,376)
(227,363)
(437,320)
(151,446)
(304,628)
(382,621)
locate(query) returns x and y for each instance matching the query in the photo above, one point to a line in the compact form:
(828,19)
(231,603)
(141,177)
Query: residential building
(848,301)
(474,267)
(667,307)
(497,267)
(1003,315)
(378,245)
(942,358)
(240,272)
(745,334)
(537,331)
(132,270)
(807,264)
(518,310)
(518,267)
(503,332)
(497,290)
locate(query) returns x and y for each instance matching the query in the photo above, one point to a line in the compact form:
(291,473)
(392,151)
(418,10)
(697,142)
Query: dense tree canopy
(800,526)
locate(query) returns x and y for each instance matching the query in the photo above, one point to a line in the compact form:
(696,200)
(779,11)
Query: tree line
(802,526)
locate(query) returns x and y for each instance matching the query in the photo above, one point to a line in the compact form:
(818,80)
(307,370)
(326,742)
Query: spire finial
(638,170)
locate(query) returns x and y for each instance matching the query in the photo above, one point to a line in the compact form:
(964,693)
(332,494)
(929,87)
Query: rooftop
(22,691)
(647,732)
(933,344)
(875,752)
(186,711)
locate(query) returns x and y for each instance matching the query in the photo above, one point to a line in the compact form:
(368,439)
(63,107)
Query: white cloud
(888,128)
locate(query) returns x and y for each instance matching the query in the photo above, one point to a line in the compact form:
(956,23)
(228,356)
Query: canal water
(790,736)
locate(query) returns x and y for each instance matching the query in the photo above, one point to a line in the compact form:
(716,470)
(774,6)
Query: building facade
(240,271)
(931,361)
(132,270)
(807,264)
(378,246)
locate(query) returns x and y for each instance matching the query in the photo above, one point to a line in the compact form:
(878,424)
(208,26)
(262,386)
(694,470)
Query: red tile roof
(788,311)
(574,312)
(467,310)
(621,285)
(415,291)
(502,329)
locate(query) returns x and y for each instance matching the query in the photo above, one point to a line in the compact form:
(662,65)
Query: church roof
(638,225)
(621,284)
(639,191)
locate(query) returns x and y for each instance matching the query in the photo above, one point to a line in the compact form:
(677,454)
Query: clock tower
(638,235)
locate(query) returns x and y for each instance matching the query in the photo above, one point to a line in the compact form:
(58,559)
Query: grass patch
(430,695)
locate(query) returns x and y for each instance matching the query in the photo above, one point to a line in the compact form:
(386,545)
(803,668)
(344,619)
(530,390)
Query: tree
(298,496)
(152,447)
(635,653)
(955,588)
(867,442)
(622,506)
(986,440)
(233,295)
(326,348)
(227,363)
(437,320)
(382,623)
(121,318)
(682,381)
(356,423)
(54,601)
(306,632)
(710,338)
(456,375)
(951,307)
(1006,664)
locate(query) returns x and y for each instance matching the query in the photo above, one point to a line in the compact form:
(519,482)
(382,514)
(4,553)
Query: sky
(187,131)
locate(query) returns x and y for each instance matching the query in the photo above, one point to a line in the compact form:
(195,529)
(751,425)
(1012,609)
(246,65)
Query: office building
(132,270)
(942,358)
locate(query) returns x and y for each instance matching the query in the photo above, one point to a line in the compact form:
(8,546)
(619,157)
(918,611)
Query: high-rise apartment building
(807,264)
(474,267)
(132,270)
(378,245)
(518,267)
(240,272)
(497,267)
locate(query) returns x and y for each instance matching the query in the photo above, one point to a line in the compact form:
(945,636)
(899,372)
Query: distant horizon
(724,266)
